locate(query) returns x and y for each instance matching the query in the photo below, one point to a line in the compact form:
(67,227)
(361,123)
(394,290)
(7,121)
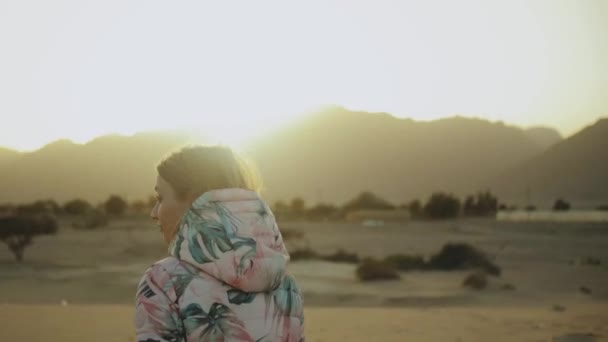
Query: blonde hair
(195,169)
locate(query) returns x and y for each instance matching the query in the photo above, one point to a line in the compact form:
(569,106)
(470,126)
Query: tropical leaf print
(193,317)
(236,296)
(248,256)
(177,244)
(212,234)
(181,282)
(215,237)
(219,324)
(287,297)
(159,317)
(230,221)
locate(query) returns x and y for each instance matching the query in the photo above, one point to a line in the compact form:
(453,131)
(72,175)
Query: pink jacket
(225,279)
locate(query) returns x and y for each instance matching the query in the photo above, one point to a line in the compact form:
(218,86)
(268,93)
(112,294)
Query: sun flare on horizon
(78,71)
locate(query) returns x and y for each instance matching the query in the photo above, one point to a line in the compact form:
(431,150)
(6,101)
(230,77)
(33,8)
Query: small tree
(298,206)
(7,209)
(139,207)
(92,219)
(18,231)
(415,208)
(115,205)
(367,200)
(483,204)
(469,206)
(442,206)
(561,205)
(38,207)
(77,207)
(322,211)
(280,209)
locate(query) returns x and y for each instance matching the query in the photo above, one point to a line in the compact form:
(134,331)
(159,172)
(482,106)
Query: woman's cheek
(167,217)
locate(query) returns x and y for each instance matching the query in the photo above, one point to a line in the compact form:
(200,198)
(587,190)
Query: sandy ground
(109,323)
(96,272)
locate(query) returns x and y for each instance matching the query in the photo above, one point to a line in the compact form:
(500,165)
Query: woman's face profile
(168,209)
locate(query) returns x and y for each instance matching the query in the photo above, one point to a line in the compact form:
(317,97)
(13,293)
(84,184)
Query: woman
(225,278)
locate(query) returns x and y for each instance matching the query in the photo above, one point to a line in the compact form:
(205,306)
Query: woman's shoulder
(160,272)
(171,269)
(160,275)
(168,264)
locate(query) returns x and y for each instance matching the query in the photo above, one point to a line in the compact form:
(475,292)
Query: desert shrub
(342,256)
(77,207)
(40,207)
(372,270)
(481,204)
(404,262)
(590,261)
(585,290)
(303,254)
(508,287)
(561,205)
(367,201)
(94,218)
(415,208)
(476,281)
(442,206)
(115,205)
(139,207)
(461,256)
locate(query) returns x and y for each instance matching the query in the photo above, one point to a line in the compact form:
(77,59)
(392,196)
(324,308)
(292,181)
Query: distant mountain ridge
(110,164)
(335,153)
(575,168)
(330,156)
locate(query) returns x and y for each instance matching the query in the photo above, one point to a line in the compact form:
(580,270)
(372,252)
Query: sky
(238,69)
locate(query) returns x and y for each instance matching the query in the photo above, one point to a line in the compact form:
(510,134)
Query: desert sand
(538,296)
(112,323)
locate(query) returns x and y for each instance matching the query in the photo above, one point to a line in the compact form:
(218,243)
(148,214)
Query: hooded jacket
(225,279)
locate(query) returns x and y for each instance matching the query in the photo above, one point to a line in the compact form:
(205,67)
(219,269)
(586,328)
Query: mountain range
(333,154)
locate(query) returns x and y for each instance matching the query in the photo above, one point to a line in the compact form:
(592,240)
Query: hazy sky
(79,68)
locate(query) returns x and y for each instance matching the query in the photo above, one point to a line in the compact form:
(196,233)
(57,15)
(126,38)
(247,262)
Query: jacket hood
(232,235)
